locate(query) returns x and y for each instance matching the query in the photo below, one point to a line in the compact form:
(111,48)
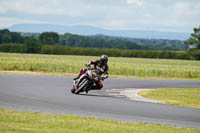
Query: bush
(32,46)
(13,48)
(194,54)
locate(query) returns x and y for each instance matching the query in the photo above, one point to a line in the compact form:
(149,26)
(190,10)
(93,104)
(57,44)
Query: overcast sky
(157,15)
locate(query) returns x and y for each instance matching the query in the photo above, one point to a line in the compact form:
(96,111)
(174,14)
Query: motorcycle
(87,81)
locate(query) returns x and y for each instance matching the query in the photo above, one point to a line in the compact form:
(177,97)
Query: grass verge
(187,97)
(119,67)
(27,122)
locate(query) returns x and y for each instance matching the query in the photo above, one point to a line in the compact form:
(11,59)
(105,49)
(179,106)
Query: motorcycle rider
(98,64)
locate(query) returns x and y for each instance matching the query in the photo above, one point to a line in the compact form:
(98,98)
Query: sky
(151,15)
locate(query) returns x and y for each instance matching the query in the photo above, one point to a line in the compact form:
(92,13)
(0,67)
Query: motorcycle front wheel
(81,86)
(72,90)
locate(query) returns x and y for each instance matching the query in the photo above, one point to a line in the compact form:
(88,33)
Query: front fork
(77,81)
(75,85)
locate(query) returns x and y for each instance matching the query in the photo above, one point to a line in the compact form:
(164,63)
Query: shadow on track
(95,95)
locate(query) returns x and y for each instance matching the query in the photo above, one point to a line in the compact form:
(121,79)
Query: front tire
(81,85)
(72,90)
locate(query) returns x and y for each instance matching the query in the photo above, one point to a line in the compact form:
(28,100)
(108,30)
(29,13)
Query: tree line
(97,41)
(149,44)
(102,41)
(69,44)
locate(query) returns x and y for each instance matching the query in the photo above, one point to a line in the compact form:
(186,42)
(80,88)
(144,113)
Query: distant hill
(89,30)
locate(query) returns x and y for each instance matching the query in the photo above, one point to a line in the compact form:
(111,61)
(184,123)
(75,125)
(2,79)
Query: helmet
(104,59)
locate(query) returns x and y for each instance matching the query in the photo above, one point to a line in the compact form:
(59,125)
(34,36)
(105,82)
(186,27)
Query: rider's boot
(86,91)
(90,88)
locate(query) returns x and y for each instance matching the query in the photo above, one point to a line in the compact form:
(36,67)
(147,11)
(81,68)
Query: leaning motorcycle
(86,81)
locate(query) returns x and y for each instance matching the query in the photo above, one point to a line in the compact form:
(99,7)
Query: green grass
(26,122)
(188,97)
(119,67)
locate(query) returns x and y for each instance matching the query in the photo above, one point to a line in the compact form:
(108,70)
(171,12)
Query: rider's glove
(105,75)
(88,66)
(97,79)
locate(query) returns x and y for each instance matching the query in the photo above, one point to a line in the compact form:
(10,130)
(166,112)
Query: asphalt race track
(51,94)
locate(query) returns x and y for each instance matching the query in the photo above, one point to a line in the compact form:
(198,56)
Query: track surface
(51,94)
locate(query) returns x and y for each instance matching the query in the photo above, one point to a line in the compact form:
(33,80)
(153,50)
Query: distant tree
(51,38)
(5,36)
(32,45)
(194,38)
(16,37)
(10,37)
